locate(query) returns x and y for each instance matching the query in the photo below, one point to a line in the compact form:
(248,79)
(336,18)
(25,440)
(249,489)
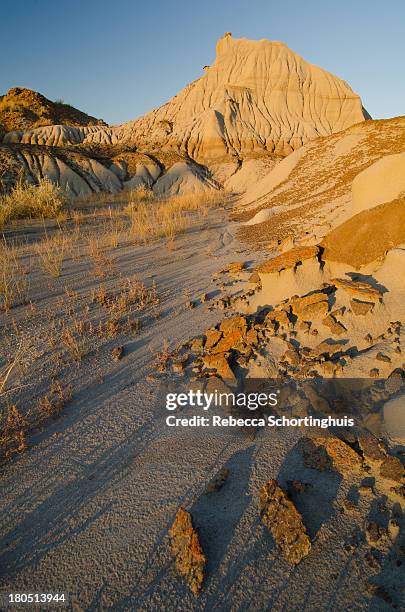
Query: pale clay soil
(87,508)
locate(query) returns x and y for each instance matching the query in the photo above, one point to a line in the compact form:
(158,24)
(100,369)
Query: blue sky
(117,60)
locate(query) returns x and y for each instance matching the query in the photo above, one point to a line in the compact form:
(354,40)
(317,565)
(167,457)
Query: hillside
(24,109)
(310,192)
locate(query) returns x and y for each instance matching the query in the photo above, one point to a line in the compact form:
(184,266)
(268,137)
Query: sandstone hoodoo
(257,97)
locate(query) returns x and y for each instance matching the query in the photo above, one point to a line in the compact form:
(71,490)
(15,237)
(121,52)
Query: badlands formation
(318,208)
(258,102)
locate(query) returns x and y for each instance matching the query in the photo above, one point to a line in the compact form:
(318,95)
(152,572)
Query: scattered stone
(117,353)
(335,326)
(212,337)
(310,306)
(369,338)
(381,357)
(374,373)
(217,482)
(278,319)
(189,305)
(281,517)
(330,454)
(204,298)
(292,357)
(219,362)
(392,469)
(197,345)
(374,532)
(233,330)
(235,267)
(178,367)
(190,559)
(361,308)
(372,451)
(329,348)
(254,277)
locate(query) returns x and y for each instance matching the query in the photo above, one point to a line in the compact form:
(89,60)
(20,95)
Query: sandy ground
(87,508)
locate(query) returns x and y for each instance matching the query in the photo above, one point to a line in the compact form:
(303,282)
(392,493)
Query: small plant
(13,430)
(51,253)
(73,344)
(162,358)
(52,404)
(103,265)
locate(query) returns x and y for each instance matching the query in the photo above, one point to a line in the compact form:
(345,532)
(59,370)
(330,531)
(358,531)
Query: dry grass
(102,198)
(102,264)
(167,218)
(51,252)
(31,201)
(14,285)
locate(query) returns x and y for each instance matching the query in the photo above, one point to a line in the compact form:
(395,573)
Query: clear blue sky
(118,59)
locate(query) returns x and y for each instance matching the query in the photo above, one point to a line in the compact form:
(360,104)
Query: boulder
(392,469)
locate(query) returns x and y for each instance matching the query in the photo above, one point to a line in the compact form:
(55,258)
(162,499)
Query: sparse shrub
(31,201)
(163,357)
(103,265)
(51,252)
(52,404)
(73,344)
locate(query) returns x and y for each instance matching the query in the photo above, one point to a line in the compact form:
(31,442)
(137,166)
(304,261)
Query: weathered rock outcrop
(257,97)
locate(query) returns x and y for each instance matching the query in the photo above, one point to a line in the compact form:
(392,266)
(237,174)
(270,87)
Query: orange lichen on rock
(284,521)
(190,558)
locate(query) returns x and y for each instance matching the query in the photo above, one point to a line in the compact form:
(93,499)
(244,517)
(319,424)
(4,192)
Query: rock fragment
(330,454)
(284,521)
(361,308)
(392,469)
(117,353)
(190,558)
(219,362)
(217,482)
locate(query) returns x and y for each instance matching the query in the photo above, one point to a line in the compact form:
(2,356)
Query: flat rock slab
(284,521)
(358,288)
(287,260)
